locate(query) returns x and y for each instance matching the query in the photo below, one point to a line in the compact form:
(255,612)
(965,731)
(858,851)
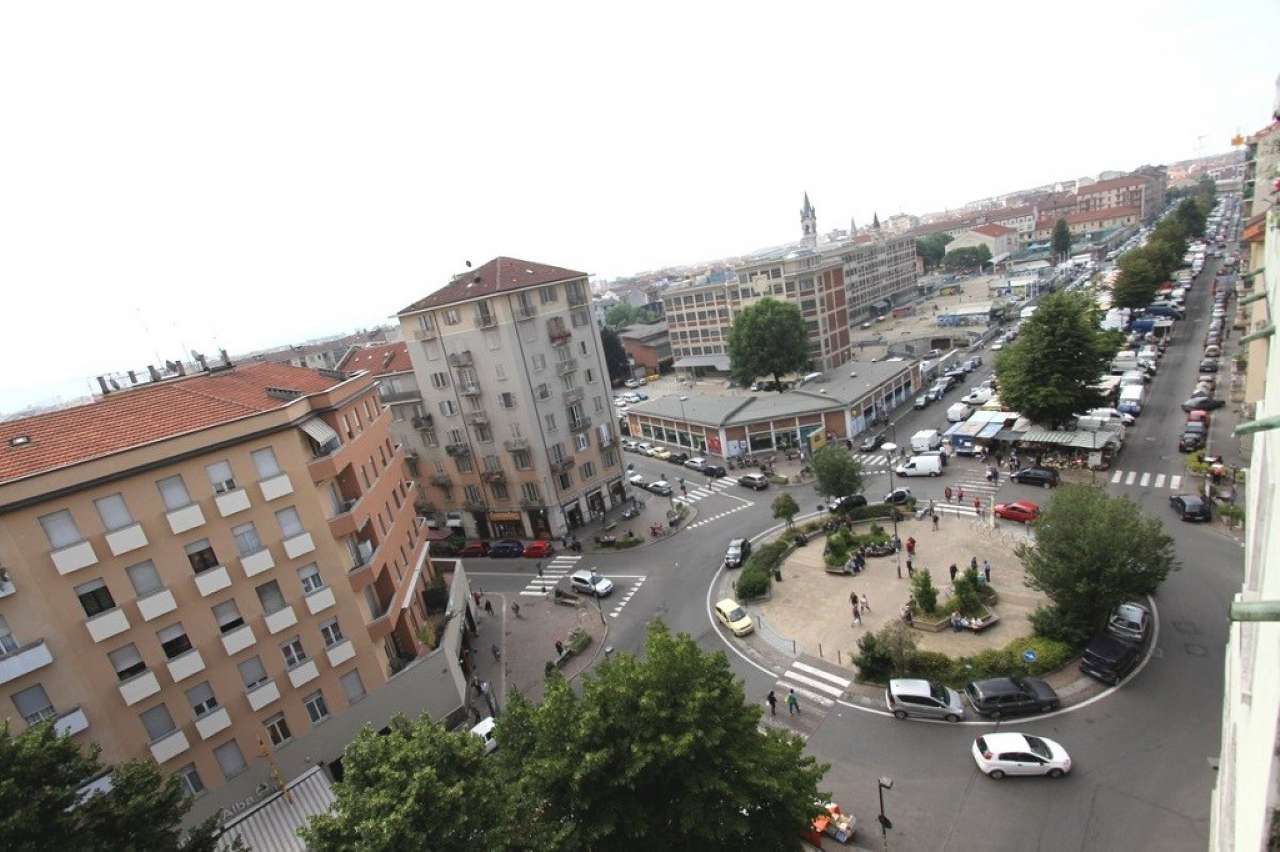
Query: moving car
(733,616)
(1130,622)
(474,548)
(923,698)
(695,463)
(507,548)
(1190,507)
(637,480)
(661,453)
(920,466)
(1046,477)
(1009,696)
(1023,511)
(629,445)
(590,583)
(736,555)
(1008,753)
(871,443)
(898,496)
(1109,659)
(678,458)
(539,549)
(713,470)
(851,501)
(661,487)
(758,481)
(484,730)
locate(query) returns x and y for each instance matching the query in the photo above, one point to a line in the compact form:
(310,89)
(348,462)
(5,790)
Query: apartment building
(1261,170)
(998,239)
(1145,192)
(1087,221)
(398,390)
(519,426)
(205,569)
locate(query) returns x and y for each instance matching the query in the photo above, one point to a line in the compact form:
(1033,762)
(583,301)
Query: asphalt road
(1142,755)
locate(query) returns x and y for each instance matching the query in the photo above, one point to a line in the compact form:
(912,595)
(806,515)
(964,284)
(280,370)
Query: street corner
(568,635)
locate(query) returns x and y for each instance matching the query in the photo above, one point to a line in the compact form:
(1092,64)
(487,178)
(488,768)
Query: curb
(648,541)
(599,650)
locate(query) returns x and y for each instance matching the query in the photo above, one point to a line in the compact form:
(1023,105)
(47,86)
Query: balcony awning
(319,431)
(272,826)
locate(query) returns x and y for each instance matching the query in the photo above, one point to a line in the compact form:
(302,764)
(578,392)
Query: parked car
(644,448)
(872,442)
(1112,414)
(1109,659)
(898,496)
(1203,402)
(678,458)
(1008,753)
(632,383)
(922,401)
(1130,622)
(661,453)
(484,730)
(1023,511)
(474,547)
(736,555)
(660,487)
(540,549)
(731,614)
(695,463)
(1212,350)
(590,583)
(757,481)
(923,698)
(637,480)
(715,471)
(1199,416)
(1010,696)
(1209,365)
(1190,507)
(1191,440)
(507,548)
(1045,477)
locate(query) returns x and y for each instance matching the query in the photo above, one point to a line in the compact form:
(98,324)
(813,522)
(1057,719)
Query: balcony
(214,721)
(169,746)
(577,296)
(493,476)
(232,502)
(276,486)
(7,586)
(139,687)
(263,694)
(300,545)
(525,312)
(583,421)
(440,479)
(607,441)
(24,661)
(185,665)
(574,395)
(363,556)
(340,653)
(514,445)
(560,465)
(475,506)
(460,359)
(185,519)
(426,333)
(156,604)
(527,503)
(399,395)
(424,423)
(125,540)
(255,563)
(104,625)
(568,365)
(212,580)
(469,389)
(319,600)
(237,640)
(304,673)
(486,320)
(71,722)
(478,418)
(457,449)
(74,557)
(281,619)
(559,336)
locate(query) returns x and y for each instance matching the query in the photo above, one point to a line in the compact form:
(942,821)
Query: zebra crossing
(701,492)
(817,691)
(560,565)
(702,522)
(624,599)
(970,483)
(1146,479)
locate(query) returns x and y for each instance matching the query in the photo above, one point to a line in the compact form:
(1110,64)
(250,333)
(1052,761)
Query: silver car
(923,698)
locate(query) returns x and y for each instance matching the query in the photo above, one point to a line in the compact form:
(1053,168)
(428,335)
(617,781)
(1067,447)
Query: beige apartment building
(518,422)
(1144,190)
(397,389)
(218,570)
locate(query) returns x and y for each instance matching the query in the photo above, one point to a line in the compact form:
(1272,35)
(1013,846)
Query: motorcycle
(656,530)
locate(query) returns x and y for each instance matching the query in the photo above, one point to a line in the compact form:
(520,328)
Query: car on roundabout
(844,504)
(637,480)
(1022,511)
(736,554)
(1009,753)
(755,481)
(590,583)
(731,614)
(898,496)
(998,697)
(660,487)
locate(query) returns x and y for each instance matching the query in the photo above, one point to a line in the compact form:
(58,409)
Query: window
(588,376)
(539,361)
(507,400)
(127,661)
(290,523)
(492,464)
(587,471)
(221,477)
(440,380)
(582,347)
(228,616)
(158,722)
(531,492)
(451,316)
(95,597)
(521,459)
(271,597)
(174,640)
(543,391)
(145,578)
(201,698)
(114,513)
(483,433)
(317,709)
(447,408)
(191,783)
(473,495)
(455,436)
(201,556)
(566,481)
(174,492)
(550,421)
(425,323)
(34,704)
(582,441)
(500,371)
(61,530)
(499,490)
(293,652)
(352,685)
(598,402)
(252,672)
(230,759)
(278,729)
(609,458)
(265,461)
(331,632)
(463,463)
(311,579)
(7,643)
(247,540)
(549,294)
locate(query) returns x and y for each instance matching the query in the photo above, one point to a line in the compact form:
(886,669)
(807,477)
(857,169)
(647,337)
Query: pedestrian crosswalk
(702,522)
(560,565)
(624,598)
(1146,479)
(816,691)
(694,493)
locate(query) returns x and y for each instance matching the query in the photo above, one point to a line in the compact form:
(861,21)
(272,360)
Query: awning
(273,825)
(319,431)
(508,517)
(716,362)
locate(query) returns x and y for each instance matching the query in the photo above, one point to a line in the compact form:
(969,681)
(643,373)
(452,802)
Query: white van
(958,412)
(920,466)
(925,440)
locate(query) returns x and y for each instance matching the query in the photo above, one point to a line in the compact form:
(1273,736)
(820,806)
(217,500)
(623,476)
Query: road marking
(1146,478)
(1128,480)
(812,696)
(844,682)
(1116,477)
(834,691)
(1160,480)
(1175,482)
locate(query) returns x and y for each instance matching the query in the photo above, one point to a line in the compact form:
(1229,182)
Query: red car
(1022,511)
(474,548)
(1198,416)
(538,549)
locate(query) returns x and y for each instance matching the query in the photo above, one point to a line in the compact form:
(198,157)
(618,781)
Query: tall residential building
(1143,190)
(397,389)
(206,568)
(519,425)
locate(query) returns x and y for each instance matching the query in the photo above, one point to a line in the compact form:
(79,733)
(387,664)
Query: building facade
(648,346)
(518,425)
(1144,192)
(998,239)
(398,390)
(1089,221)
(203,570)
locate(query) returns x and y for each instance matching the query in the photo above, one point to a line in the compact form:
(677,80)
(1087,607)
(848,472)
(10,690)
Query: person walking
(559,647)
(475,596)
(515,609)
(986,571)
(866,603)
(773,703)
(488,606)
(793,703)
(857,617)
(946,492)
(954,571)
(911,546)
(935,521)
(539,569)
(960,494)
(911,569)
(973,563)
(977,506)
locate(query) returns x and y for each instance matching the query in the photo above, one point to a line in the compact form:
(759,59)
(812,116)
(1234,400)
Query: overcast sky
(178,176)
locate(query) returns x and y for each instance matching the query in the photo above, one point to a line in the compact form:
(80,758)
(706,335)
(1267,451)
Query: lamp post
(884,783)
(685,420)
(892,448)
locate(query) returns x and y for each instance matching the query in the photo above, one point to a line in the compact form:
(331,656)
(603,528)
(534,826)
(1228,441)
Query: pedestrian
(857,617)
(973,563)
(960,494)
(793,703)
(995,474)
(853,600)
(475,684)
(946,492)
(977,506)
(515,609)
(986,571)
(773,703)
(911,569)
(475,596)
(488,607)
(930,505)
(539,569)
(497,652)
(559,648)
(935,521)
(954,571)
(911,546)
(866,603)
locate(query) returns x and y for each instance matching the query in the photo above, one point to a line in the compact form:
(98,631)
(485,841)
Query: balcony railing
(577,425)
(469,389)
(363,555)
(424,421)
(531,504)
(457,449)
(525,312)
(460,359)
(568,365)
(560,465)
(478,418)
(441,479)
(577,296)
(516,444)
(559,336)
(486,320)
(400,395)
(426,333)
(493,476)
(573,395)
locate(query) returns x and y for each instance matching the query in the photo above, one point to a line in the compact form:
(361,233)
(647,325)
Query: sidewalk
(654,511)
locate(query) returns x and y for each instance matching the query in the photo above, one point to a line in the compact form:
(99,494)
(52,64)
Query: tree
(1205,192)
(1190,216)
(838,474)
(41,774)
(1092,552)
(924,592)
(1140,275)
(970,257)
(932,249)
(621,315)
(768,338)
(1050,373)
(615,355)
(785,508)
(658,752)
(416,784)
(1061,239)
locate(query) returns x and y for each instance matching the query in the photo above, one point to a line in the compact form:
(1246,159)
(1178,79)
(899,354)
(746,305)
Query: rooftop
(380,359)
(1113,183)
(144,415)
(993,230)
(643,331)
(500,275)
(1089,216)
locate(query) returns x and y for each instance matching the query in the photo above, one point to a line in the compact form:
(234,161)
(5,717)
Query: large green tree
(1191,217)
(768,338)
(1050,372)
(785,508)
(838,474)
(969,257)
(1092,551)
(1140,275)
(658,752)
(416,787)
(1061,240)
(624,314)
(932,249)
(615,355)
(41,774)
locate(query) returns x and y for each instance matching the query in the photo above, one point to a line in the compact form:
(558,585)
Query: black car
(1045,477)
(736,555)
(715,471)
(678,458)
(1209,365)
(506,548)
(1010,696)
(872,442)
(955,374)
(1109,659)
(1204,403)
(1190,507)
(1190,441)
(844,504)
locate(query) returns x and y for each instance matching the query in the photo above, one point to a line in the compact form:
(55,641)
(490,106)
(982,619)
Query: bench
(977,625)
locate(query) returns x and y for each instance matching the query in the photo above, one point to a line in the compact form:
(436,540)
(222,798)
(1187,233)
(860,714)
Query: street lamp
(892,448)
(884,783)
(685,420)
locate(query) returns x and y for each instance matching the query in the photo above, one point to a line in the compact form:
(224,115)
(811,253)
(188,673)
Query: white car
(645,448)
(637,480)
(695,463)
(590,583)
(1112,414)
(484,730)
(1006,753)
(632,383)
(629,445)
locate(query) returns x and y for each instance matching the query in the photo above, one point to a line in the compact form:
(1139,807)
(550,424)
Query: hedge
(875,666)
(757,575)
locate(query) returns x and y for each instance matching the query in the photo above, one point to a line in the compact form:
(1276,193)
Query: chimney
(102,383)
(133,379)
(226,359)
(155,374)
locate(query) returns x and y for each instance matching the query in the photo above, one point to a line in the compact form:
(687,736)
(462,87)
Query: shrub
(1051,655)
(931,665)
(863,513)
(923,592)
(436,595)
(872,659)
(752,583)
(579,639)
(1051,623)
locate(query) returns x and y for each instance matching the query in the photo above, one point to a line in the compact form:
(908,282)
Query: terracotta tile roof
(380,359)
(1010,213)
(1254,230)
(993,230)
(147,414)
(1089,216)
(1112,183)
(500,275)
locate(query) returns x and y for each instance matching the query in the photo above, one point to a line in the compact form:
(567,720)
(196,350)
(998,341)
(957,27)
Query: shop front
(573,514)
(595,503)
(539,524)
(507,524)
